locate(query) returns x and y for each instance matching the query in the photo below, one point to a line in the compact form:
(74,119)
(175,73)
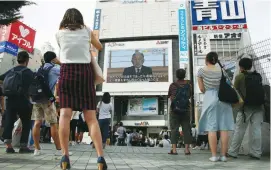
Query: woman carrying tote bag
(216,116)
(76,82)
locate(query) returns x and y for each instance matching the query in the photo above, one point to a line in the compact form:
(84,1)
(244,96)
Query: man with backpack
(16,84)
(44,102)
(249,85)
(180,94)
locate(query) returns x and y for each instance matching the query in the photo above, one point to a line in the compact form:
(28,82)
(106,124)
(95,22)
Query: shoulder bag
(226,92)
(98,79)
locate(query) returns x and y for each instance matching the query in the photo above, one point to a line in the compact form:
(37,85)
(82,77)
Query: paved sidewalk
(124,158)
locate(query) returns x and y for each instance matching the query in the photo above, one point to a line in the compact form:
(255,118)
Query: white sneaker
(214,159)
(37,152)
(59,153)
(73,143)
(223,158)
(197,147)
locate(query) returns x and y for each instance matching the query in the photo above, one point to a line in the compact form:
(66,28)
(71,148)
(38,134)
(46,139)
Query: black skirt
(76,87)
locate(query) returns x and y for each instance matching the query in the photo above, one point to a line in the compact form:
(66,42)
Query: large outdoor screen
(138,62)
(142,107)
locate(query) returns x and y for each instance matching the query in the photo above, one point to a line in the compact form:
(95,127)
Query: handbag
(98,73)
(226,92)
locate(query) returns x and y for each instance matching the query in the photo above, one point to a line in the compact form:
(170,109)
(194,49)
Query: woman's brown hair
(72,20)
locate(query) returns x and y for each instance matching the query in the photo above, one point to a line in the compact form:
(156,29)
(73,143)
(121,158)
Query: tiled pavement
(124,158)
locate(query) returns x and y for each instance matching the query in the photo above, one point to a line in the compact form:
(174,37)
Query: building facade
(140,34)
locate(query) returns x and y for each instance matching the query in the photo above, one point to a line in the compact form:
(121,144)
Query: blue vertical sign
(97,19)
(183,38)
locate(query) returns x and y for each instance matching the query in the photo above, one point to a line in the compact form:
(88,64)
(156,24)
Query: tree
(10,11)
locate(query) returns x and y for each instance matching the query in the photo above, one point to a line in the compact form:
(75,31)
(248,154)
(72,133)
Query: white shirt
(76,115)
(104,110)
(74,45)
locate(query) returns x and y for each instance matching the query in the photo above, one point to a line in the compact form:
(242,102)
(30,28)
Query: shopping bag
(98,74)
(17,133)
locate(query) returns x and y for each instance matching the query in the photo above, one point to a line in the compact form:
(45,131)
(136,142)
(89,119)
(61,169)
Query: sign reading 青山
(218,14)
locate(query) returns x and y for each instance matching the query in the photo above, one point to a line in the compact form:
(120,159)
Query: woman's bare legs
(64,129)
(212,142)
(94,129)
(224,142)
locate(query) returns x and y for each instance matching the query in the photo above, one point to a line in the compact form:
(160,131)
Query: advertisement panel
(8,48)
(22,36)
(227,14)
(129,63)
(96,30)
(142,107)
(4,32)
(183,37)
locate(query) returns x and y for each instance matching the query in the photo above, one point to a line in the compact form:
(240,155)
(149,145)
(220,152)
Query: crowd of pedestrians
(68,84)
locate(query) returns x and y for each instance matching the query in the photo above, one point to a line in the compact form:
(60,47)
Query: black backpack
(40,85)
(13,83)
(180,104)
(255,95)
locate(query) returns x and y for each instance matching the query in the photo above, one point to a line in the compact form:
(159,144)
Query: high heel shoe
(65,163)
(101,164)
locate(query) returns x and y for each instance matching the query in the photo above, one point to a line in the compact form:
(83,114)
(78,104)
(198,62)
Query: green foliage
(10,11)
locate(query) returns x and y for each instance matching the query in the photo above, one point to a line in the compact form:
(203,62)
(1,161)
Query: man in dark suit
(137,68)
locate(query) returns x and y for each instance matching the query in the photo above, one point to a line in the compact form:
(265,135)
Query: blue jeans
(104,127)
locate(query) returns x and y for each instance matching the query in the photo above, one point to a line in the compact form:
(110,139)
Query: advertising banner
(130,63)
(8,48)
(183,37)
(22,36)
(142,107)
(96,30)
(218,14)
(4,32)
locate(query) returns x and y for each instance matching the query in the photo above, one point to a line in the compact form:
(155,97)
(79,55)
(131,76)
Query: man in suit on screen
(137,68)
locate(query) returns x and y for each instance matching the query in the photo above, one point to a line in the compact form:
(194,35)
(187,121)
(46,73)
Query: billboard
(4,32)
(8,48)
(142,107)
(130,63)
(228,14)
(22,36)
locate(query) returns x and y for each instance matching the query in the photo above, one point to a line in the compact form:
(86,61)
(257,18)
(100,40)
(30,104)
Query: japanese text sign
(203,44)
(4,32)
(208,12)
(183,37)
(97,19)
(22,36)
(9,48)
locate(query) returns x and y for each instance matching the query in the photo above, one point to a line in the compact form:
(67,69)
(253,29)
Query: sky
(46,16)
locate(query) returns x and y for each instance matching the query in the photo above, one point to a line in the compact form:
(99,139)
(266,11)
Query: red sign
(220,27)
(22,36)
(4,32)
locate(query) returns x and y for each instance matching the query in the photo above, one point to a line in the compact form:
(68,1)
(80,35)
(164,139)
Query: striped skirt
(76,87)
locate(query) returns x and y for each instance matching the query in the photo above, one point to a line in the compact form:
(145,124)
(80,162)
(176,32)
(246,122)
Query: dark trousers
(175,121)
(24,110)
(73,126)
(104,127)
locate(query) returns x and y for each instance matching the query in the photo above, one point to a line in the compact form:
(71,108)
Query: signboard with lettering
(183,36)
(203,44)
(142,124)
(4,32)
(22,36)
(216,12)
(226,35)
(96,30)
(9,48)
(133,1)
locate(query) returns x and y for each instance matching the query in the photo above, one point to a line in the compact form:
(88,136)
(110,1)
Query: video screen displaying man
(138,68)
